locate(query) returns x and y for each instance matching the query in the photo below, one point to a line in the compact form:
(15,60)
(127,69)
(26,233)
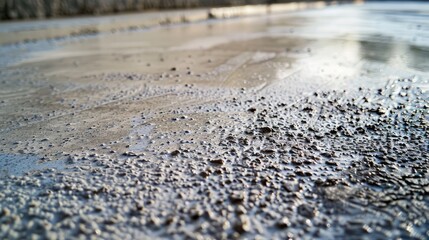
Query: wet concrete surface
(305,125)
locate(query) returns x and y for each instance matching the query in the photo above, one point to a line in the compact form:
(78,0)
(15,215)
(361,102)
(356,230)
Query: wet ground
(305,125)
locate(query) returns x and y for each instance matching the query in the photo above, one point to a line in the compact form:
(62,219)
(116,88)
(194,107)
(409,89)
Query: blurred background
(39,9)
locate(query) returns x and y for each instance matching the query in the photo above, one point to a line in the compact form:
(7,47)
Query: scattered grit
(331,165)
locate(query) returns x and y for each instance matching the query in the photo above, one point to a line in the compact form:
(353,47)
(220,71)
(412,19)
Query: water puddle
(19,164)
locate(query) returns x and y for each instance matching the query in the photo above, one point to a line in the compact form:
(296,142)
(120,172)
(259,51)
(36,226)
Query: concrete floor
(307,124)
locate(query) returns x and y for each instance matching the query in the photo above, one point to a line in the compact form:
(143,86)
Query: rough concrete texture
(306,125)
(25,9)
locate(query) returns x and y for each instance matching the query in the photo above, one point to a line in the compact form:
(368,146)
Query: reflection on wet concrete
(376,51)
(388,51)
(417,57)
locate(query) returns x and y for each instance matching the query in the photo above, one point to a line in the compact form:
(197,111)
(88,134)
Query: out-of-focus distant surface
(28,31)
(13,9)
